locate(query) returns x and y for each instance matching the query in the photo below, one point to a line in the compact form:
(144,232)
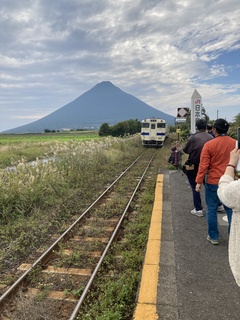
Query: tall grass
(75,165)
(35,200)
(32,146)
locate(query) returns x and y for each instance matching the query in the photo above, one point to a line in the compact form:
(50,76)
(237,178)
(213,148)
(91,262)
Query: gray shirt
(194,145)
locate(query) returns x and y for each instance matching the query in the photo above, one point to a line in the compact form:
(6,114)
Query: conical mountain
(103,103)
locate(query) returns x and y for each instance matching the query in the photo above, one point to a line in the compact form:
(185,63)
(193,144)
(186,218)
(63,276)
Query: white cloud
(159,51)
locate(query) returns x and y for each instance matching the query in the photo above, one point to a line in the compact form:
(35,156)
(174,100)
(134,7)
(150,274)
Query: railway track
(59,280)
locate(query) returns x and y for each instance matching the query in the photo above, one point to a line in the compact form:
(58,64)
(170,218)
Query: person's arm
(203,167)
(188,146)
(228,188)
(234,158)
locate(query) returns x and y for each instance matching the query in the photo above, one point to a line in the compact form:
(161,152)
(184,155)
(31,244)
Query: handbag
(188,167)
(171,158)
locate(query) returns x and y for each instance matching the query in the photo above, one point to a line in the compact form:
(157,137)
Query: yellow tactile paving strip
(146,306)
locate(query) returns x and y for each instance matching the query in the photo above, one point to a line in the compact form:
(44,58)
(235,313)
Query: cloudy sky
(157,50)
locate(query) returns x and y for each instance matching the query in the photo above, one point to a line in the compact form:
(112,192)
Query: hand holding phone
(238,147)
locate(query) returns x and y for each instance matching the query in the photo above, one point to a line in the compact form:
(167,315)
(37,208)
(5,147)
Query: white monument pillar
(196,109)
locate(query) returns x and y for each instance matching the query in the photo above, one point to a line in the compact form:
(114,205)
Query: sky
(159,51)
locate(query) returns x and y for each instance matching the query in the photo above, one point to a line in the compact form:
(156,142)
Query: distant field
(47,137)
(14,147)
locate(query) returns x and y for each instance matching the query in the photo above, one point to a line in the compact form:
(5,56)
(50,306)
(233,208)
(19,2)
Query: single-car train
(154,132)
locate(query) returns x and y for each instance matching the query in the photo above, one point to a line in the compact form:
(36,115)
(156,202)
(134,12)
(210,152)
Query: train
(154,132)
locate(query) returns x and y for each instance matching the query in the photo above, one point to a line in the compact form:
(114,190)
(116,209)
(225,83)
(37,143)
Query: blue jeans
(196,195)
(212,202)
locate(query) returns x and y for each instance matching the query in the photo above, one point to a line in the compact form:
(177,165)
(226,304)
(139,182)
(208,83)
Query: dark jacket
(194,146)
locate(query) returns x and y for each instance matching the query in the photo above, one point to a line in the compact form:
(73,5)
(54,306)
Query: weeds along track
(54,282)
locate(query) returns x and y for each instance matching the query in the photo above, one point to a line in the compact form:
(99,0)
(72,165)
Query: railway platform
(184,276)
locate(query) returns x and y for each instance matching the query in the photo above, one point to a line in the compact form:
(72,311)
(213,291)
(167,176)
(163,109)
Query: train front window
(145,125)
(153,126)
(161,125)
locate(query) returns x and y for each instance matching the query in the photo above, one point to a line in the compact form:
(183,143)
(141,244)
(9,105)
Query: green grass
(47,137)
(14,147)
(36,201)
(48,191)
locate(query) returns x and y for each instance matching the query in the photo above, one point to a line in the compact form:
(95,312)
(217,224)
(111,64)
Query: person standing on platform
(213,161)
(193,147)
(229,194)
(176,154)
(209,130)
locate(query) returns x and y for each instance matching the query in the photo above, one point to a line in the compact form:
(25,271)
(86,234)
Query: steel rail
(43,257)
(91,279)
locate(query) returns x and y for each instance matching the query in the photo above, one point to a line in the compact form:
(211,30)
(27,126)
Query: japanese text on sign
(197,109)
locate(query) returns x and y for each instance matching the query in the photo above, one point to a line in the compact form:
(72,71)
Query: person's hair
(201,124)
(209,126)
(221,125)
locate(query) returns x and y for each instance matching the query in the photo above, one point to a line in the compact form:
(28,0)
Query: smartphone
(238,138)
(238,146)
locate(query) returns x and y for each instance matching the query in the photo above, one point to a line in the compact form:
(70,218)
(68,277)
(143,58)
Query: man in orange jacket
(213,161)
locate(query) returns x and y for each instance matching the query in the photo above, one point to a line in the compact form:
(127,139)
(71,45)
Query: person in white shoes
(229,193)
(213,160)
(193,147)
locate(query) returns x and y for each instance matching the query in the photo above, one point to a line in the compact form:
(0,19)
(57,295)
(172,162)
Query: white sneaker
(198,213)
(212,241)
(220,209)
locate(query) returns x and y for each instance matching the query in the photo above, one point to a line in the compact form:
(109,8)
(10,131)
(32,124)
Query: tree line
(120,129)
(134,126)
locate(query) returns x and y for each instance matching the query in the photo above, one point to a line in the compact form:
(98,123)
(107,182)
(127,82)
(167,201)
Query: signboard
(180,120)
(196,109)
(182,112)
